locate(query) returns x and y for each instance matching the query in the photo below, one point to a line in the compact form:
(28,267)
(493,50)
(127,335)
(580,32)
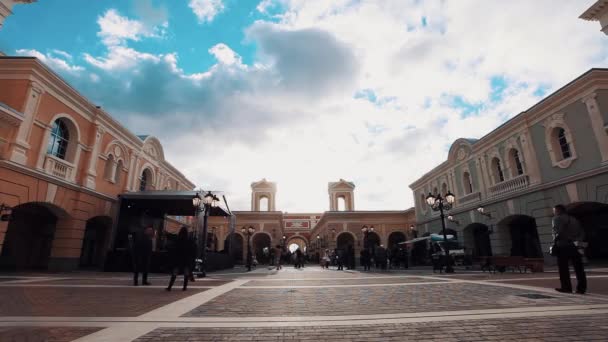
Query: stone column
(529,158)
(21,146)
(92,169)
(598,125)
(132,171)
(43,148)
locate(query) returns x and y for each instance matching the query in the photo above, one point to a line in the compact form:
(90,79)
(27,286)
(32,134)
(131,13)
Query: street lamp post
(248,232)
(438,203)
(208,201)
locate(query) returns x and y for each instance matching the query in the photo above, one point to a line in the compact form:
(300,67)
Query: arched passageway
(593,217)
(520,236)
(477,238)
(373,241)
(30,234)
(259,244)
(345,244)
(296,243)
(394,239)
(95,240)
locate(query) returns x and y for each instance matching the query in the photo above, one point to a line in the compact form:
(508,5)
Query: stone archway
(593,218)
(297,242)
(395,238)
(477,238)
(96,238)
(29,237)
(519,236)
(259,242)
(373,240)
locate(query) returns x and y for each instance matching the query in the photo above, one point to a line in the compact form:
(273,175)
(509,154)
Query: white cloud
(291,115)
(206,10)
(56,63)
(117,30)
(225,55)
(120,58)
(264,5)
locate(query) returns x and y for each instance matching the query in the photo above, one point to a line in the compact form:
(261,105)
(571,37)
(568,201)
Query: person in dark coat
(567,235)
(142,253)
(365,259)
(340,259)
(381,257)
(180,255)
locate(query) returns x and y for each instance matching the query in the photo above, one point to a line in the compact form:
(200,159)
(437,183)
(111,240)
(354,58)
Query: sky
(306,92)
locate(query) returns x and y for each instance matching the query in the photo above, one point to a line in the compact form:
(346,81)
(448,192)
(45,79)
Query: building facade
(598,12)
(6,7)
(313,232)
(63,161)
(556,152)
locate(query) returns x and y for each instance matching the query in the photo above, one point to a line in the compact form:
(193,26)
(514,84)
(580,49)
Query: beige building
(555,152)
(63,161)
(337,228)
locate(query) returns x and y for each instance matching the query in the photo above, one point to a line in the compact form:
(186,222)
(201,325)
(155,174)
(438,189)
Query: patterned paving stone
(360,281)
(561,328)
(125,282)
(39,334)
(373,300)
(54,301)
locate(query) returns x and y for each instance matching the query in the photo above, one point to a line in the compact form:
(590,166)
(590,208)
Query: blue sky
(305,92)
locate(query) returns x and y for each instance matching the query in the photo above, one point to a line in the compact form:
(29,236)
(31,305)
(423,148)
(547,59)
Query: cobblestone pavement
(354,281)
(374,300)
(303,305)
(580,328)
(84,302)
(54,334)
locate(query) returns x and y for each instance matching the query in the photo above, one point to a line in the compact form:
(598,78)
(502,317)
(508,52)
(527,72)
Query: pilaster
(91,171)
(21,145)
(597,124)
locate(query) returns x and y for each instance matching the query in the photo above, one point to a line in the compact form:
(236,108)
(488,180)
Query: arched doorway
(477,238)
(345,244)
(593,217)
(394,239)
(296,243)
(520,236)
(261,243)
(30,234)
(95,240)
(237,248)
(373,241)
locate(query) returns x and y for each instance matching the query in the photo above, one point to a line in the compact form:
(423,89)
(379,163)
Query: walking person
(278,251)
(180,255)
(365,259)
(142,253)
(567,234)
(326,259)
(340,259)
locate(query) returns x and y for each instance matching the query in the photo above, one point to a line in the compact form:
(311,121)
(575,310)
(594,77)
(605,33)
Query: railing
(475,196)
(59,168)
(511,185)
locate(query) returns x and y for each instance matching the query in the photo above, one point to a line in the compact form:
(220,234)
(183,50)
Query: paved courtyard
(303,305)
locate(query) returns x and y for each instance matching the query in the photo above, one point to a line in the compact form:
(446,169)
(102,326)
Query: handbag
(553,249)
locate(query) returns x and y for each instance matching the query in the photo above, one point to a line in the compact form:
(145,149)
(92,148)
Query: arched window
(435,191)
(264,204)
(497,169)
(110,169)
(60,138)
(564,145)
(517,169)
(423,201)
(466,182)
(444,189)
(118,172)
(145,181)
(341,204)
